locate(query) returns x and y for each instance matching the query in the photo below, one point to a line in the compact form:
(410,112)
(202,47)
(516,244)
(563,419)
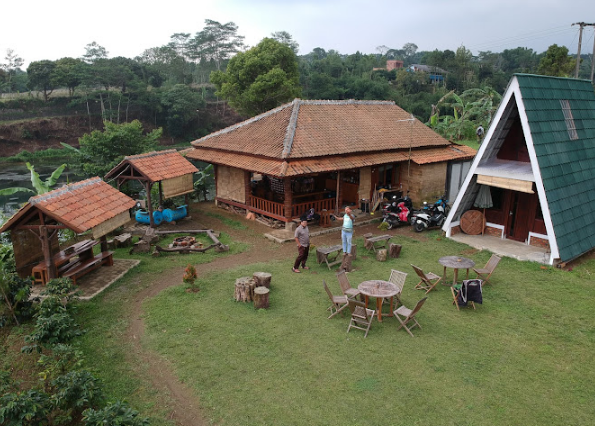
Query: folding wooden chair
(338,302)
(427,280)
(486,272)
(346,288)
(408,316)
(361,317)
(467,293)
(398,278)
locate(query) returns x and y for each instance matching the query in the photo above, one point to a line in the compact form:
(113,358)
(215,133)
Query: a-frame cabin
(538,159)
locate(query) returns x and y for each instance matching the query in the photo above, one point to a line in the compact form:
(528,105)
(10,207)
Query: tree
(180,105)
(102,151)
(259,79)
(94,51)
(217,42)
(13,63)
(41,77)
(556,62)
(286,38)
(68,73)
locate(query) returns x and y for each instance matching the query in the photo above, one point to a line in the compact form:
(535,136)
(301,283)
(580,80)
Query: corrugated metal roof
(566,165)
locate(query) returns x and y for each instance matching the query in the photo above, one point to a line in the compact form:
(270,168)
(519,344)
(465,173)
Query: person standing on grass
(302,238)
(347,230)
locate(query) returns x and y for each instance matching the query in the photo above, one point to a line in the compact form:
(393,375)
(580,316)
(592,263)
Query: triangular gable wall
(510,105)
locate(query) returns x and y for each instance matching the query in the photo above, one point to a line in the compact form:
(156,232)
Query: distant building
(436,73)
(391,65)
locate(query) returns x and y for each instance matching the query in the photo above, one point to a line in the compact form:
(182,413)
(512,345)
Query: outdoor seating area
(467,293)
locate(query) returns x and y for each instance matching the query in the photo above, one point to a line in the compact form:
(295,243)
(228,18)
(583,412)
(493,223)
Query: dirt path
(184,405)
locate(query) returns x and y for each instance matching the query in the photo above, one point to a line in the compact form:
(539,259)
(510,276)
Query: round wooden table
(456,263)
(379,289)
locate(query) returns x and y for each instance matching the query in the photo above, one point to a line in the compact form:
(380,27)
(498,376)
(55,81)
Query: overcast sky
(42,29)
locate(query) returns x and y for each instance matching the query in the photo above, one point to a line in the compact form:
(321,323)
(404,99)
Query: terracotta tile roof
(156,165)
(304,129)
(281,168)
(83,205)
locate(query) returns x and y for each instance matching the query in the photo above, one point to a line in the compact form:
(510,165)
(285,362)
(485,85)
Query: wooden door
(521,215)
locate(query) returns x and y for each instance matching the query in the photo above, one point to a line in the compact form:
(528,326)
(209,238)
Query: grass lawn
(520,358)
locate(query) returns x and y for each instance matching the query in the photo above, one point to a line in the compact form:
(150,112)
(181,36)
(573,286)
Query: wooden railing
(266,207)
(318,205)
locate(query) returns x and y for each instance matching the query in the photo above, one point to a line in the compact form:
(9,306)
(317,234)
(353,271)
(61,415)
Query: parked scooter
(397,212)
(431,216)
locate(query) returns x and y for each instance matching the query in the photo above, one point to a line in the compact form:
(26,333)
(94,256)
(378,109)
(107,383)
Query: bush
(25,408)
(115,414)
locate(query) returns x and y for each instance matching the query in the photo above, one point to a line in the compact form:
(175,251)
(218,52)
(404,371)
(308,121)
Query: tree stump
(123,240)
(141,246)
(244,289)
(263,279)
(261,298)
(346,264)
(367,244)
(381,255)
(353,251)
(394,250)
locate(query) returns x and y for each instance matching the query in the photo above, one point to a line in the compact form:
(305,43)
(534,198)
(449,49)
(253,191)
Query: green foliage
(181,105)
(114,414)
(101,151)
(32,408)
(205,178)
(259,79)
(54,321)
(15,291)
(41,77)
(556,62)
(75,392)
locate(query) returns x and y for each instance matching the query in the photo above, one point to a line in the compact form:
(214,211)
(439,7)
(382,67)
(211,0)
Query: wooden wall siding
(425,182)
(365,183)
(177,186)
(230,184)
(27,250)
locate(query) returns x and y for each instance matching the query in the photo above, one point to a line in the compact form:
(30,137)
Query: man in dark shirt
(302,238)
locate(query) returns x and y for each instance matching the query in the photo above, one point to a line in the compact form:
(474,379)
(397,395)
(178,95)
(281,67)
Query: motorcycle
(431,216)
(398,212)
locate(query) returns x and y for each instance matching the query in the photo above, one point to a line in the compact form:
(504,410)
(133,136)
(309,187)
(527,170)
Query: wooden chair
(427,280)
(409,316)
(486,272)
(398,278)
(338,302)
(361,317)
(346,288)
(467,293)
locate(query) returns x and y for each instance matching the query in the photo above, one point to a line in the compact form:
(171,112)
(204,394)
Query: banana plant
(41,187)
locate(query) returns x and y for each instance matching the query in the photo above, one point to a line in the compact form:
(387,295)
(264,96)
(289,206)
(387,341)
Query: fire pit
(184,242)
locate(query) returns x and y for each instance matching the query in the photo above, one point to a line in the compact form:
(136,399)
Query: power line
(523,37)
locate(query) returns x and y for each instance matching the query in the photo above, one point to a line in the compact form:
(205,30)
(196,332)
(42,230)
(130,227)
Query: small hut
(90,205)
(169,169)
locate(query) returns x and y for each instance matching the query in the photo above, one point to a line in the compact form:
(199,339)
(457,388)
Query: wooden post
(160,194)
(47,251)
(261,298)
(394,250)
(149,204)
(337,193)
(103,240)
(288,200)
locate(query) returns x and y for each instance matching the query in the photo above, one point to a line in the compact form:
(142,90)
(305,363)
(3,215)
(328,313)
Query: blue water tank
(170,215)
(142,216)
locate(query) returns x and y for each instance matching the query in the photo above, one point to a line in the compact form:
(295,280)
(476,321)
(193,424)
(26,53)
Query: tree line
(173,82)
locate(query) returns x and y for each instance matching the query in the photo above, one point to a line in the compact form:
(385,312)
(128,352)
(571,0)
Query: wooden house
(537,159)
(325,154)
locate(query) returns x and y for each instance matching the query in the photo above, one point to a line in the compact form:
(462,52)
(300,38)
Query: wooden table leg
(467,277)
(456,277)
(379,308)
(444,276)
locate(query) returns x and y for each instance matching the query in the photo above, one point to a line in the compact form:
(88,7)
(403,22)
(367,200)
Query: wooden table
(65,259)
(323,253)
(456,263)
(370,243)
(379,289)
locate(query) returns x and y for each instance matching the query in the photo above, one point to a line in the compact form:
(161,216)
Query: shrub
(114,414)
(25,408)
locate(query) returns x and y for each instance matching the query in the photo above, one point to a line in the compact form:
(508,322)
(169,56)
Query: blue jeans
(346,237)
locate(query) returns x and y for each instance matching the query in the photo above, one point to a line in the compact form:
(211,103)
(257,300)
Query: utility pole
(578,53)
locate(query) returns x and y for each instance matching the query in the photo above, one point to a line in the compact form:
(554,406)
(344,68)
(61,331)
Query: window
(569,119)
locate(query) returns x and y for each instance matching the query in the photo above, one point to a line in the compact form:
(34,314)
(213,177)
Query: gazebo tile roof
(157,165)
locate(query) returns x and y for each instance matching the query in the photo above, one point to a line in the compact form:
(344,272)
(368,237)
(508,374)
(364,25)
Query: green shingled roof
(567,166)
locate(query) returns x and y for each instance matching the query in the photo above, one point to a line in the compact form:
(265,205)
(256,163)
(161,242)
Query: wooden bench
(83,267)
(372,243)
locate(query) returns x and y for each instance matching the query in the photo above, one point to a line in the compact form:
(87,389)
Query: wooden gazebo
(90,205)
(169,169)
